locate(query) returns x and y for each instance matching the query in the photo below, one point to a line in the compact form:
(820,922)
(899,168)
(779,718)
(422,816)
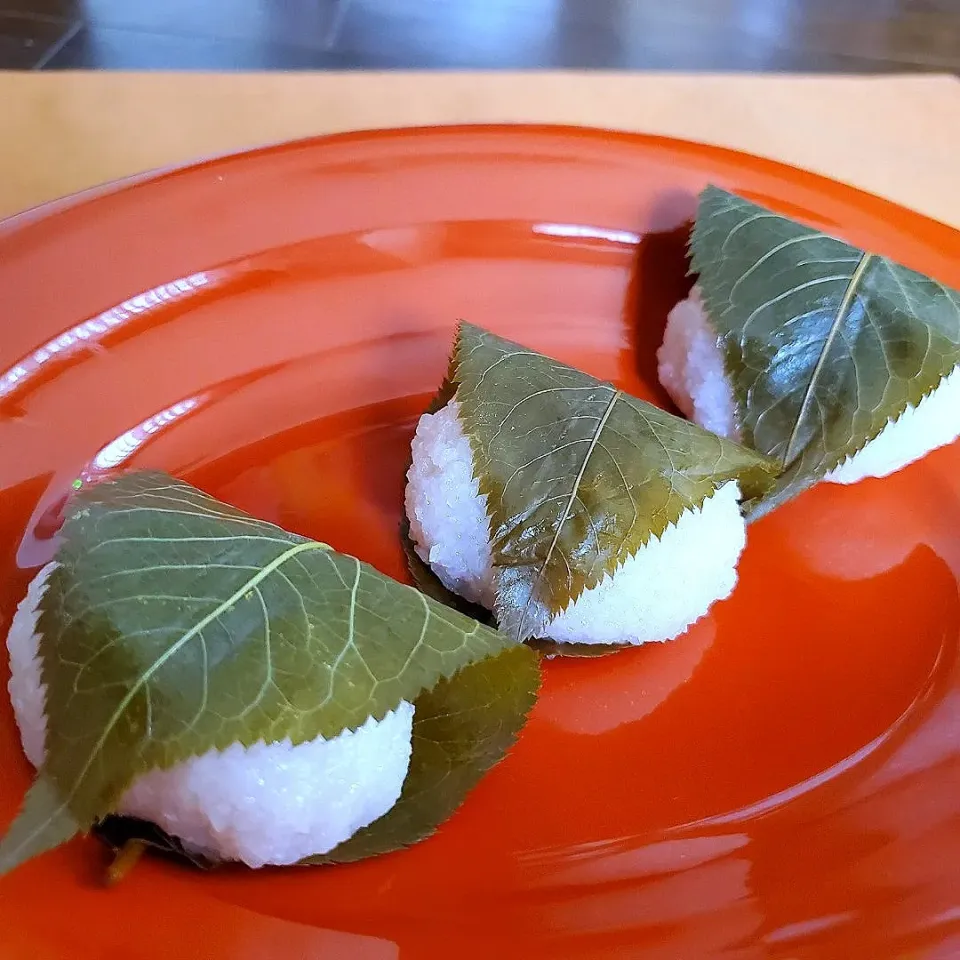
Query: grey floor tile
(109,48)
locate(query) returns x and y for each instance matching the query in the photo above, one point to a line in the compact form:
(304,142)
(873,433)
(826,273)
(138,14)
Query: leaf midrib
(594,440)
(843,310)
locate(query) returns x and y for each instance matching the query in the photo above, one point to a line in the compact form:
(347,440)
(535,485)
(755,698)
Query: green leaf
(429,583)
(823,342)
(461,729)
(578,475)
(44,822)
(175,624)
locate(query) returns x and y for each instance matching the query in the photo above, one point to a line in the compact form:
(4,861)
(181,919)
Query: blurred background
(850,36)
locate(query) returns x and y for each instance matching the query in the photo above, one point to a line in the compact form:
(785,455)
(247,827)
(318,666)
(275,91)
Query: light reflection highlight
(122,448)
(91,330)
(581,232)
(593,700)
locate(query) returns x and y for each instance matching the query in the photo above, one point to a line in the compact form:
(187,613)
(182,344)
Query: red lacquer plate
(781,782)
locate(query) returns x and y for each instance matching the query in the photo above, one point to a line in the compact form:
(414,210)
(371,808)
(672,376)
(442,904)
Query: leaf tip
(43,823)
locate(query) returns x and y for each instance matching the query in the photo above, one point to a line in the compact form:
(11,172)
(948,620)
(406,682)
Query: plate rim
(636,138)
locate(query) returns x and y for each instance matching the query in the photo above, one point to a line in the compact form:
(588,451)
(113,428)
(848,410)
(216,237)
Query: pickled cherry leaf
(824,343)
(429,583)
(43,823)
(461,728)
(578,475)
(175,624)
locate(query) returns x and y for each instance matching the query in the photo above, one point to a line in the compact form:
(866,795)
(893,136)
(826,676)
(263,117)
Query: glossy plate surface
(781,782)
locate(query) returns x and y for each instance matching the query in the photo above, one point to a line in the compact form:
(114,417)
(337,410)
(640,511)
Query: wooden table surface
(796,35)
(61,132)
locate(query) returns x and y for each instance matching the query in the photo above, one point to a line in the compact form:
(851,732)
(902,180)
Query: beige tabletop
(61,132)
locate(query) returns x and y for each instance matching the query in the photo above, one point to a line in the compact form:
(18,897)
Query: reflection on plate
(582,700)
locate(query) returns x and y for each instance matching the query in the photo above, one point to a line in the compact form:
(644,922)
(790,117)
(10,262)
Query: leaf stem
(127,857)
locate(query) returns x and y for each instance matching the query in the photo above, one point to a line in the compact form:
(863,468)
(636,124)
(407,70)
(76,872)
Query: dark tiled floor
(26,42)
(810,35)
(61,9)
